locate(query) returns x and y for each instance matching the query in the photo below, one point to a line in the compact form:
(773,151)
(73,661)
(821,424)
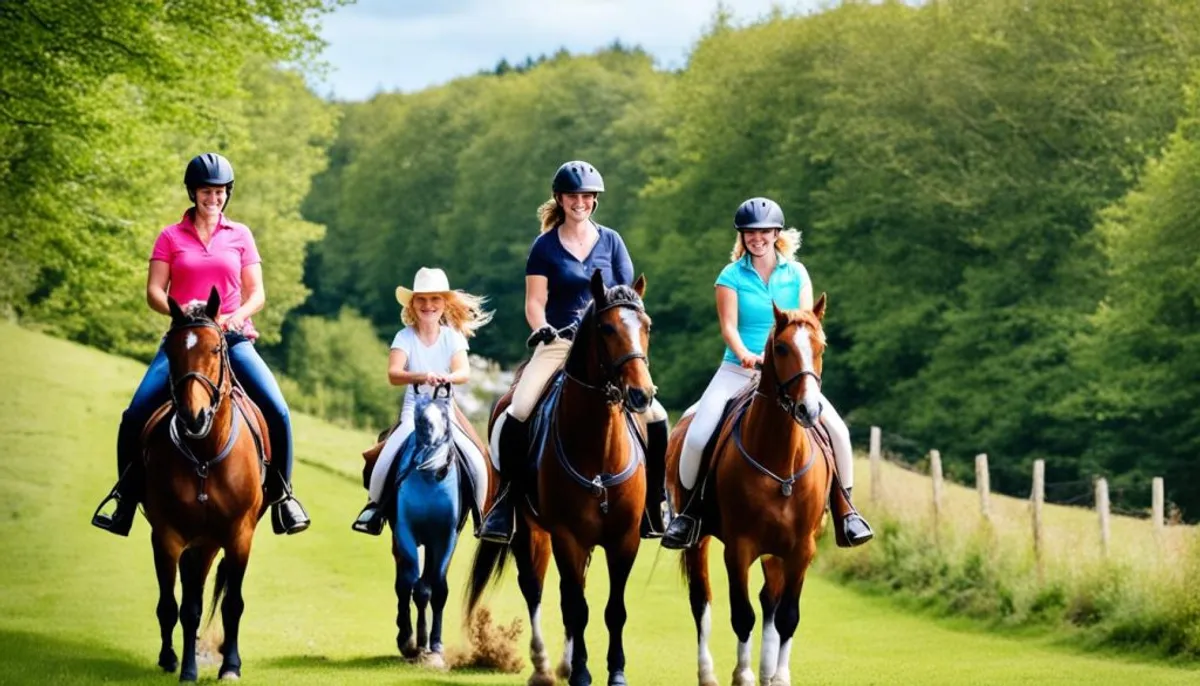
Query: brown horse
(204,484)
(765,499)
(590,485)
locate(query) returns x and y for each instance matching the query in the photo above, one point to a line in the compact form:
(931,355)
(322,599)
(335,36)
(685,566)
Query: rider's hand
(232,322)
(432,379)
(544,334)
(750,361)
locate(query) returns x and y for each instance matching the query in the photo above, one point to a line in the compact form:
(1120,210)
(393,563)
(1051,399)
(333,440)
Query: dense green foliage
(101,106)
(950,166)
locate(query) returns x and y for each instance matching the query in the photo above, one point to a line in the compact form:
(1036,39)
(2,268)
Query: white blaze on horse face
(632,321)
(812,391)
(191,340)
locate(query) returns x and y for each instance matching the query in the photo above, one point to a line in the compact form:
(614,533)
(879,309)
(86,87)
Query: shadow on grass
(457,677)
(36,658)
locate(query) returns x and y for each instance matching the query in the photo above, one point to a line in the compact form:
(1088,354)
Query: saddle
(252,416)
(734,409)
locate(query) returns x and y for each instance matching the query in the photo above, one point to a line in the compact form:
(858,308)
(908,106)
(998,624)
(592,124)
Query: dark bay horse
(204,484)
(591,483)
(766,496)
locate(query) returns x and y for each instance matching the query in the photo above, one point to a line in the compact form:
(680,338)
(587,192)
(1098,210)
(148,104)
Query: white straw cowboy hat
(427,281)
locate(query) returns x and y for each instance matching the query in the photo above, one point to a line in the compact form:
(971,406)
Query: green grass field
(78,604)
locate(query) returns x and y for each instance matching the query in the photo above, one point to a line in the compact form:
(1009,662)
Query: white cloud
(383,44)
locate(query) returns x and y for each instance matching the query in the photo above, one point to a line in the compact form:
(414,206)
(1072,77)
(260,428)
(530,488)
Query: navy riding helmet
(577,176)
(758,214)
(208,169)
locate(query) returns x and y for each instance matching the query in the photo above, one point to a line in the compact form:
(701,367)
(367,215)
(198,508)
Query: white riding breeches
(729,379)
(474,459)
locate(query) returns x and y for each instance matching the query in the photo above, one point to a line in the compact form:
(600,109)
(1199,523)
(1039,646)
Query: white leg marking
(769,658)
(743,674)
(783,673)
(537,646)
(704,661)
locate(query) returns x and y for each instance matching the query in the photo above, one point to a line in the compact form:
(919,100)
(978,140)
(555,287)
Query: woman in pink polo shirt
(205,250)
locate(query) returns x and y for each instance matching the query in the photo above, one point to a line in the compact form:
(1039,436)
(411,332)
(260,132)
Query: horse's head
(792,361)
(433,433)
(198,360)
(616,332)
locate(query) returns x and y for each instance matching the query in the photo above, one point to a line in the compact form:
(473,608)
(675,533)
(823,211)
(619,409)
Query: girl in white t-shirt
(429,350)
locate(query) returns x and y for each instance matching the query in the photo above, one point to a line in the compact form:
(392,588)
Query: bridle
(612,392)
(215,389)
(794,408)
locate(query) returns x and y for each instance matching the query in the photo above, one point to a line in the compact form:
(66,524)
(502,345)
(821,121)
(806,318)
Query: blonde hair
(786,244)
(464,312)
(551,214)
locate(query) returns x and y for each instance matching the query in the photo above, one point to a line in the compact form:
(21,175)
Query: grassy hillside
(78,604)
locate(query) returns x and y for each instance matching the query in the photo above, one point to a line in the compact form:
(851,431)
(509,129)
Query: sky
(409,45)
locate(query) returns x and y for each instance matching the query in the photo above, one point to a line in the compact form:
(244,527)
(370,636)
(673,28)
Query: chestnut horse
(765,497)
(204,484)
(590,485)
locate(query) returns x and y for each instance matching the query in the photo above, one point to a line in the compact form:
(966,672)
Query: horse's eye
(781,349)
(608,329)
(216,350)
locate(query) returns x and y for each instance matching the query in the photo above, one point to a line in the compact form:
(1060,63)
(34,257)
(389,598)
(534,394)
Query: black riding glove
(544,334)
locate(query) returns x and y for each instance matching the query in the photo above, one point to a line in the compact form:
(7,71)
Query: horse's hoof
(709,679)
(409,648)
(168,661)
(743,677)
(580,679)
(563,672)
(231,675)
(781,680)
(432,660)
(187,676)
(617,679)
(542,679)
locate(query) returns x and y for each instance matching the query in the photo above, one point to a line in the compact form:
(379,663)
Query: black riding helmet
(208,169)
(577,176)
(758,214)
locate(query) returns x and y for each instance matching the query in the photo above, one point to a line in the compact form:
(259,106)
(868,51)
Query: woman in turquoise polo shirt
(762,270)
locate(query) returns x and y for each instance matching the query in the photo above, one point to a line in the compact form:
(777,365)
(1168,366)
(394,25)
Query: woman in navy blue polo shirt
(557,273)
(762,270)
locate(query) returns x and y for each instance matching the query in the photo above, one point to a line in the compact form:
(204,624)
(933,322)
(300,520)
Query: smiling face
(759,242)
(577,206)
(210,200)
(428,308)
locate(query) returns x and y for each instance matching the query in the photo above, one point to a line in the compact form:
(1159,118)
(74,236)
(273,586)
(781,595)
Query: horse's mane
(194,312)
(614,297)
(623,295)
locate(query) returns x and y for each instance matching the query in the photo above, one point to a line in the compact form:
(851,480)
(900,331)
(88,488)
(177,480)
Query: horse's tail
(488,566)
(220,585)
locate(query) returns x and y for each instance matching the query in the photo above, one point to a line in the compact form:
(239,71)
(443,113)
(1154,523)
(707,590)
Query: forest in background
(997,195)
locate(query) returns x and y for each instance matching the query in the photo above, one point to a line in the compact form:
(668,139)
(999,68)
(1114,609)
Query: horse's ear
(213,307)
(781,318)
(819,307)
(598,288)
(173,307)
(639,286)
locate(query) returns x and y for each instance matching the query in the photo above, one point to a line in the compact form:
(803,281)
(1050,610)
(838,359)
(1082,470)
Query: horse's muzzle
(196,427)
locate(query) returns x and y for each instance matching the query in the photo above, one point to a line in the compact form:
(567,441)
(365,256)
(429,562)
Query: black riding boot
(854,530)
(371,519)
(287,514)
(656,470)
(126,492)
(684,529)
(501,520)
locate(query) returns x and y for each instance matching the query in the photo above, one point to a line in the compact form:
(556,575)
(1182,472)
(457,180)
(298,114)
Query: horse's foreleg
(404,549)
(768,599)
(193,569)
(231,572)
(620,562)
(700,597)
(738,556)
(787,615)
(531,552)
(572,559)
(166,564)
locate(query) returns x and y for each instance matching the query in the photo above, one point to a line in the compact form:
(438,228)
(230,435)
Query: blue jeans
(254,376)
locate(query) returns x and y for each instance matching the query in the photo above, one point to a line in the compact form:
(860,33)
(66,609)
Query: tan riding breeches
(547,359)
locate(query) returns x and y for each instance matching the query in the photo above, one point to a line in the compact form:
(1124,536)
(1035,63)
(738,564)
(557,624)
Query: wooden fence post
(1102,507)
(1038,495)
(1156,497)
(876,464)
(983,484)
(935,470)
